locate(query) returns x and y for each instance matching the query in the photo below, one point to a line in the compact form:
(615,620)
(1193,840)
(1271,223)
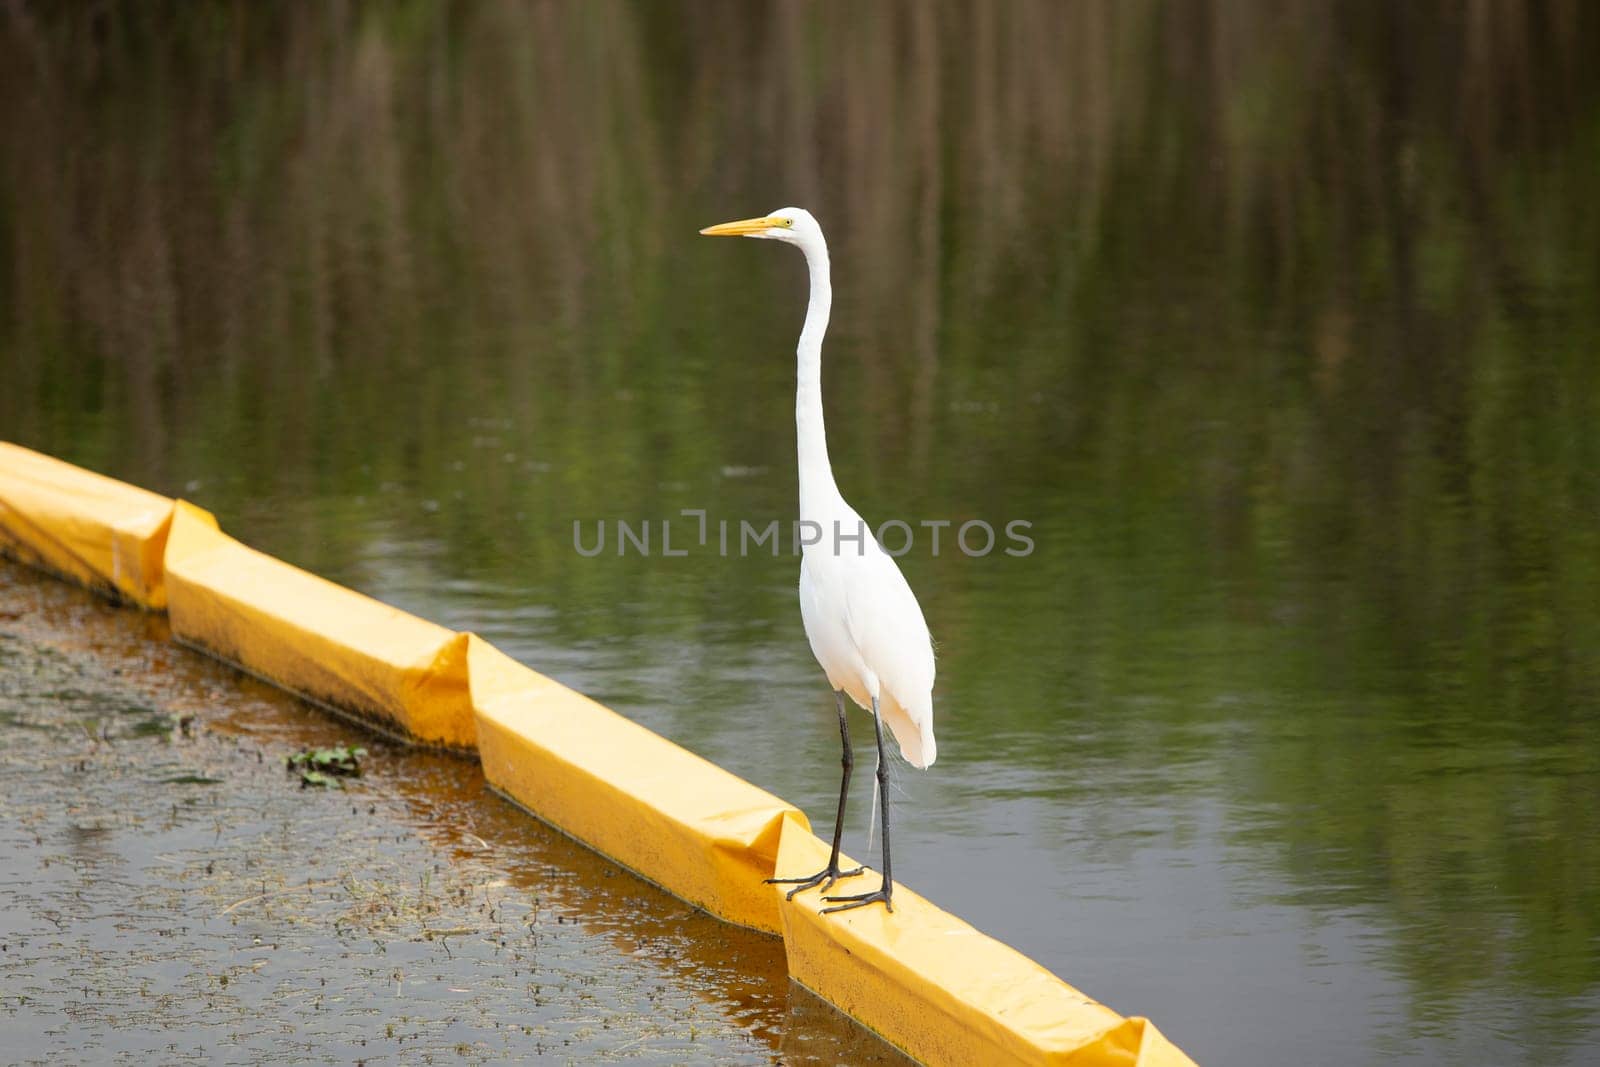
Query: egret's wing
(886,623)
(887,626)
(823,611)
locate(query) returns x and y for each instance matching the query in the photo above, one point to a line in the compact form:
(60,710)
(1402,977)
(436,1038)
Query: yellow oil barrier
(703,834)
(315,638)
(92,530)
(921,978)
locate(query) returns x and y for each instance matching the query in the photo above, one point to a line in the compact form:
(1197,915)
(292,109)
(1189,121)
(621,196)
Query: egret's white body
(867,631)
(864,623)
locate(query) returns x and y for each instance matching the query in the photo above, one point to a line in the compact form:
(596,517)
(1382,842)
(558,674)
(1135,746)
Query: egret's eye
(789,223)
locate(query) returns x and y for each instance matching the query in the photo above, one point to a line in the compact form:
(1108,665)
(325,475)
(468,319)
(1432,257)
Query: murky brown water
(1277,320)
(170,893)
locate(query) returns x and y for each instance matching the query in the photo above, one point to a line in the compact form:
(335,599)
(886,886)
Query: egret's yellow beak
(745,227)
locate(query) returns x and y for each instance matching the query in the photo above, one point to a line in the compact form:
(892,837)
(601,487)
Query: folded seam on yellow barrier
(942,991)
(699,832)
(321,640)
(90,529)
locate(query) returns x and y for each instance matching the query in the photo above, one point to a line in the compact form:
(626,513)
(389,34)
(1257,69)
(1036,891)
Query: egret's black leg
(831,873)
(885,891)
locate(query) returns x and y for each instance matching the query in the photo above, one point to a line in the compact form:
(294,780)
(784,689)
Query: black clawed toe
(861,900)
(823,879)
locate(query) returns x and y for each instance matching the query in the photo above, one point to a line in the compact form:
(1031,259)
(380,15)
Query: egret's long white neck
(817,488)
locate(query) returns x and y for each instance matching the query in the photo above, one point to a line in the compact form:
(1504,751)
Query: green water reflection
(1279,323)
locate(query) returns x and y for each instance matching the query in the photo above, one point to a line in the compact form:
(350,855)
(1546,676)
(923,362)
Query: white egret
(865,626)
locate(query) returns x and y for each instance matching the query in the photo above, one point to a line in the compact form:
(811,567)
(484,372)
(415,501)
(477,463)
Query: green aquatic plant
(323,767)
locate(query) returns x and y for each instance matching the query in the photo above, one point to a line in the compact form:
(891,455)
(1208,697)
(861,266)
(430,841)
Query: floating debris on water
(323,767)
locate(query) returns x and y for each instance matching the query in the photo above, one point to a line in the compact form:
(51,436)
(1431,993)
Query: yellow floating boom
(921,978)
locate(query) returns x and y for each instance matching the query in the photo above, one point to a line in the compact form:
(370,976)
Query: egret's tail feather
(913,731)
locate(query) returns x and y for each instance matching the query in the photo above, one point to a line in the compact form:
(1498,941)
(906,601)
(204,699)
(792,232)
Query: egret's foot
(824,878)
(861,900)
